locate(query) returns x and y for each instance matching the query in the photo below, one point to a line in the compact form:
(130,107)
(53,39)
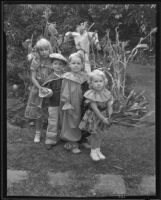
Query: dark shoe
(48,146)
(86,145)
(71,145)
(68,146)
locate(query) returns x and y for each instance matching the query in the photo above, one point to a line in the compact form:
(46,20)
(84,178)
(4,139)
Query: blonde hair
(78,55)
(43,43)
(96,73)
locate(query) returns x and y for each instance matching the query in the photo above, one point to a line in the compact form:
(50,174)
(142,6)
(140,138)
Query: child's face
(44,52)
(98,83)
(58,65)
(76,64)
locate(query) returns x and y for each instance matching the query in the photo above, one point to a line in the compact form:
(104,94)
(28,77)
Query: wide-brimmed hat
(58,56)
(45,92)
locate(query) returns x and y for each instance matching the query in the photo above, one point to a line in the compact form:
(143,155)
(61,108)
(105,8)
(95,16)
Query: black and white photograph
(81,99)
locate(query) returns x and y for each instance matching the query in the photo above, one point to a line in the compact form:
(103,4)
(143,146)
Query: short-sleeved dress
(71,98)
(34,104)
(90,122)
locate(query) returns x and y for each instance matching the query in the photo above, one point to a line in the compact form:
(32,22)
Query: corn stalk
(46,15)
(132,108)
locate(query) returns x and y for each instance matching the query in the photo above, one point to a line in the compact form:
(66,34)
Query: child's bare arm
(35,82)
(110,109)
(98,113)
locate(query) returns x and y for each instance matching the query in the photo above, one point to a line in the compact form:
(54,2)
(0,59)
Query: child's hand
(30,56)
(44,90)
(98,46)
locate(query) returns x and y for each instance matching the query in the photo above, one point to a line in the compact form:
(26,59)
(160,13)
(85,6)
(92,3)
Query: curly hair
(96,73)
(43,42)
(79,55)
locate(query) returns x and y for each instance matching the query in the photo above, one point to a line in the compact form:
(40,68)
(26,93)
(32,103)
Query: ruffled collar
(101,96)
(78,78)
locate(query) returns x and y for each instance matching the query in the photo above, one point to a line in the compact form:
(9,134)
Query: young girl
(40,70)
(96,117)
(54,82)
(71,98)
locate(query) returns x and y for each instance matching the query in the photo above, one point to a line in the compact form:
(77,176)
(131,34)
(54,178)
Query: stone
(15,176)
(59,178)
(148,185)
(109,184)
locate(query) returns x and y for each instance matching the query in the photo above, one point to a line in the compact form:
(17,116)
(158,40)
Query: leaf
(147,115)
(154,30)
(117,167)
(142,46)
(134,125)
(129,96)
(140,94)
(146,123)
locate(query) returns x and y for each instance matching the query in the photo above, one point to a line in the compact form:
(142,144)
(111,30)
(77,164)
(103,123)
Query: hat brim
(58,57)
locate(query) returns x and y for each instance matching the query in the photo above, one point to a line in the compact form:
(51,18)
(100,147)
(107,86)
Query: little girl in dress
(40,70)
(96,118)
(70,100)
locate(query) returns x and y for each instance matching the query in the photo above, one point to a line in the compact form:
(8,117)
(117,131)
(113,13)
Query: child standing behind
(40,70)
(96,117)
(54,82)
(71,98)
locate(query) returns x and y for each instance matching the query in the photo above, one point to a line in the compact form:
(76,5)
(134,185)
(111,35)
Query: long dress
(90,121)
(34,104)
(71,98)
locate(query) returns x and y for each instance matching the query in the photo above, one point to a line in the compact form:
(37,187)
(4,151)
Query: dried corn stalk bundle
(130,109)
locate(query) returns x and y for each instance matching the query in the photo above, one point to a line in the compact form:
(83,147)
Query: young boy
(54,82)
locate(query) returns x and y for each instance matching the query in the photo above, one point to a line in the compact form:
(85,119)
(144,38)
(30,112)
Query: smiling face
(58,66)
(76,64)
(98,83)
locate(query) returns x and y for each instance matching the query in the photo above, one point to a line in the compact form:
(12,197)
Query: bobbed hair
(43,42)
(96,73)
(78,55)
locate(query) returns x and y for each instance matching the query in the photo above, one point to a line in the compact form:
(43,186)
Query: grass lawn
(130,153)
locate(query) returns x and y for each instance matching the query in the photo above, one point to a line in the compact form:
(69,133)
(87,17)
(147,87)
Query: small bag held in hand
(45,92)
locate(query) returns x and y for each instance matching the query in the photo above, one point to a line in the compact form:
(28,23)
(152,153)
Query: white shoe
(76,150)
(94,155)
(99,153)
(37,138)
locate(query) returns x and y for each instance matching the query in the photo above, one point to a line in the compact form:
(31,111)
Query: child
(71,98)
(96,117)
(83,39)
(54,82)
(40,70)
